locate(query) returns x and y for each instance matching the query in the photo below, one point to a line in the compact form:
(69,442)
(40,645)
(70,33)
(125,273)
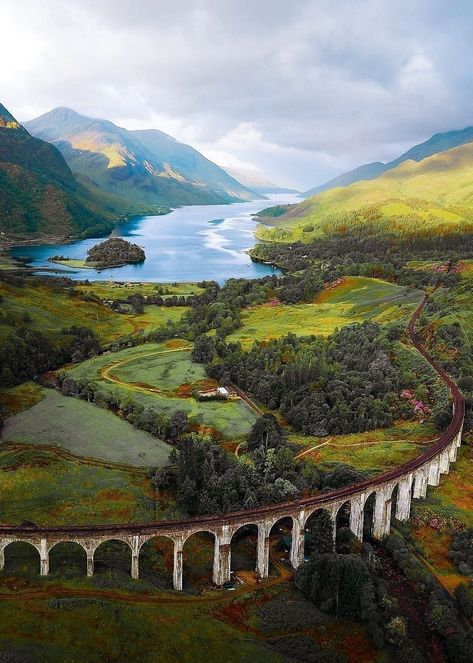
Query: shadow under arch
(280,540)
(394,498)
(342,527)
(368,515)
(156,561)
(112,557)
(21,558)
(198,560)
(67,559)
(244,545)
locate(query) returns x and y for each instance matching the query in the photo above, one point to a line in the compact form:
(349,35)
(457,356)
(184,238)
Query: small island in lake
(113,252)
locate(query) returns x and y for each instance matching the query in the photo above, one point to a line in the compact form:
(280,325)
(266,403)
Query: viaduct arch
(411,480)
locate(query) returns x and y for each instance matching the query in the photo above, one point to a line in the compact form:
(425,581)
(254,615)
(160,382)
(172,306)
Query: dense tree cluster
(209,480)
(348,586)
(461,551)
(442,616)
(343,385)
(26,353)
(115,251)
(372,250)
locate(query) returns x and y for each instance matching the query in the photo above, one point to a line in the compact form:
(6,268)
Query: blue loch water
(189,244)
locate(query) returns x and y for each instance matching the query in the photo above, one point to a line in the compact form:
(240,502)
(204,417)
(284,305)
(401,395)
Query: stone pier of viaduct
(392,493)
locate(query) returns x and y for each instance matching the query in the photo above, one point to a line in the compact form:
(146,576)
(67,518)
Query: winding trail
(281,509)
(106,373)
(177,599)
(236,518)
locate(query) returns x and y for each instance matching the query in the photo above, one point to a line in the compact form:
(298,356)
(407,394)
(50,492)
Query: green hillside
(148,170)
(39,195)
(434,195)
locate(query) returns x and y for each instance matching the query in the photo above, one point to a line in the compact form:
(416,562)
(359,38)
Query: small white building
(223,392)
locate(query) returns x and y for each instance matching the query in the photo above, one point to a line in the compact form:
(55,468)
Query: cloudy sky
(298,90)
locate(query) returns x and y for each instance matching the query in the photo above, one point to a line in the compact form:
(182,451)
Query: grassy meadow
(378,450)
(84,430)
(40,486)
(121,290)
(163,375)
(50,309)
(356,299)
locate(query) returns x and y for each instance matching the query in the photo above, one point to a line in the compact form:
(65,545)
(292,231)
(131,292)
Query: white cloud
(300,90)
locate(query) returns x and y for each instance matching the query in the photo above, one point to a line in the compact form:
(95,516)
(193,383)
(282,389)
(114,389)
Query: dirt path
(317,446)
(177,599)
(106,373)
(329,443)
(82,460)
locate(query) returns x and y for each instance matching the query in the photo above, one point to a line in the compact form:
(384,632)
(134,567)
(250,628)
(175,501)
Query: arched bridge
(392,490)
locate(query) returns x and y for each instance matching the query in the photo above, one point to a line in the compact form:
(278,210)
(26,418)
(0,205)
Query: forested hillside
(39,195)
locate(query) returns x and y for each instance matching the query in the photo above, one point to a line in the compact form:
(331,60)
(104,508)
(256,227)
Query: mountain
(437,143)
(368,171)
(415,198)
(257,182)
(39,195)
(148,169)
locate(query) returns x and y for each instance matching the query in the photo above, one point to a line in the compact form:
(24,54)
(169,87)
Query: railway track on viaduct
(410,479)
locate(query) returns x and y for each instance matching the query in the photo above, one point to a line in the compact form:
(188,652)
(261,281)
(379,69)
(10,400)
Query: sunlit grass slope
(416,198)
(49,310)
(354,300)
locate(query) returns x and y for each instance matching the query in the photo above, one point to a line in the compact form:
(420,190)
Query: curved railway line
(410,477)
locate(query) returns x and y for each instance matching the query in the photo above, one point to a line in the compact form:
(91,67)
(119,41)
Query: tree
(204,350)
(266,432)
(321,529)
(178,424)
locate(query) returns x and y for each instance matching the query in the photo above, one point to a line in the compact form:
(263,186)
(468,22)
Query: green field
(41,487)
(122,290)
(166,371)
(49,310)
(379,450)
(84,430)
(415,198)
(160,374)
(355,300)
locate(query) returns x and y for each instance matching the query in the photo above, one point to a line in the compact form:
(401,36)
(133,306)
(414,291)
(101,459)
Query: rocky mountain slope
(147,168)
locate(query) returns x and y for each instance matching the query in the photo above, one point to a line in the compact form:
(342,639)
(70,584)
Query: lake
(191,243)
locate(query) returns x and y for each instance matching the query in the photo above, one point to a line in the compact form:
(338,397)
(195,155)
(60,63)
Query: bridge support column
(357,514)
(382,514)
(298,540)
(2,557)
(452,453)
(434,473)
(177,568)
(44,555)
(222,556)
(445,462)
(420,485)
(90,562)
(403,504)
(262,554)
(135,557)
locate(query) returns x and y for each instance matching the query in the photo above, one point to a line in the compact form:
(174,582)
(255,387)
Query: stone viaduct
(391,492)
